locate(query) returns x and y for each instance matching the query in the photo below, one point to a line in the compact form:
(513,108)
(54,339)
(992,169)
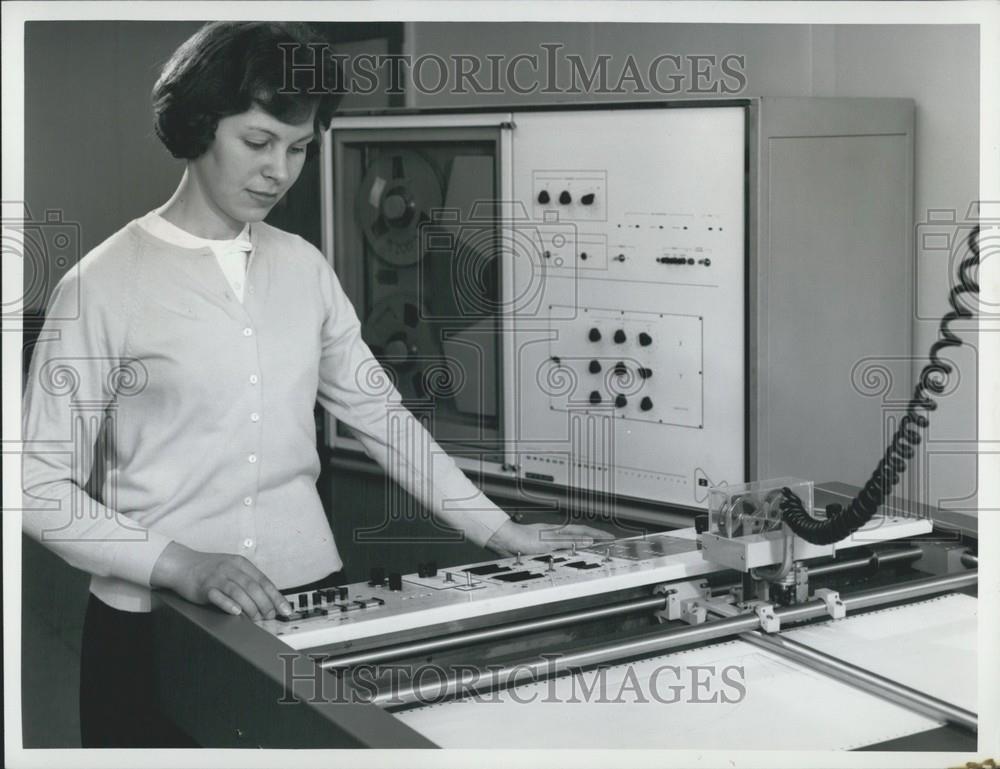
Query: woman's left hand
(512,538)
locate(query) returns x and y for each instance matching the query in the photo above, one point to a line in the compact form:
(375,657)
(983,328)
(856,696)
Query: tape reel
(397,195)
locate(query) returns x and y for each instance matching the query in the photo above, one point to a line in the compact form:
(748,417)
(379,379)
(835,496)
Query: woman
(204,339)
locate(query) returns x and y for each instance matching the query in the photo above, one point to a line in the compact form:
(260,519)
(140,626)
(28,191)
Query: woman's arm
(69,401)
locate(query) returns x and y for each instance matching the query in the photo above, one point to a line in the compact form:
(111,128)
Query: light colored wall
(937,66)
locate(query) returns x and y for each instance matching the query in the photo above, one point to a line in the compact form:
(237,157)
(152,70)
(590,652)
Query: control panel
(630,356)
(392,602)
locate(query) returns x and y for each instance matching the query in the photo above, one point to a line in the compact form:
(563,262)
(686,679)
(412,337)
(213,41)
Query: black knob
(543,197)
(645,340)
(583,255)
(621,401)
(432,568)
(646,403)
(395,581)
(595,397)
(701,523)
(595,335)
(595,367)
(620,369)
(317,597)
(376,576)
(565,198)
(303,601)
(342,593)
(620,336)
(587,199)
(645,373)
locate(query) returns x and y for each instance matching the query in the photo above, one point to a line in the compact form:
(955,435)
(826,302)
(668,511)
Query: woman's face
(251,163)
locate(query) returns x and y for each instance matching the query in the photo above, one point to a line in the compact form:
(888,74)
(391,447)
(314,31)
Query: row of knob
(317,597)
(565,198)
(681,260)
(620,369)
(620,337)
(620,401)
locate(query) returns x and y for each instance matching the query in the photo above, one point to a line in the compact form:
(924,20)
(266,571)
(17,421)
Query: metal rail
(863,679)
(470,682)
(513,629)
(492,634)
(877,560)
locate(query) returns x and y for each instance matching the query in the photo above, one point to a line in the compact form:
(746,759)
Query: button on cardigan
(204,407)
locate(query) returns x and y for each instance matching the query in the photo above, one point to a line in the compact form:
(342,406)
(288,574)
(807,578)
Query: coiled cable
(841,522)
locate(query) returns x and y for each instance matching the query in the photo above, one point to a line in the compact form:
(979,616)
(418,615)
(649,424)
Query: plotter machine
(645,309)
(705,637)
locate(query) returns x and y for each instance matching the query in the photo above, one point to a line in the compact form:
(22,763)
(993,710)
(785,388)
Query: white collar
(164,230)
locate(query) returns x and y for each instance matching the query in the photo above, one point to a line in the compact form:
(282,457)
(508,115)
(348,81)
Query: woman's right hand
(230,582)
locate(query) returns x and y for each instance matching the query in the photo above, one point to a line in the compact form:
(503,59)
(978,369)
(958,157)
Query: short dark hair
(227,67)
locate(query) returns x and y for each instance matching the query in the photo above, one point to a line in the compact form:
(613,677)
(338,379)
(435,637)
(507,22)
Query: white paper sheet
(782,706)
(930,646)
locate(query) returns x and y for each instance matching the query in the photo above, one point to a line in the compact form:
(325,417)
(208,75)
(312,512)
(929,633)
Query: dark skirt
(118,704)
